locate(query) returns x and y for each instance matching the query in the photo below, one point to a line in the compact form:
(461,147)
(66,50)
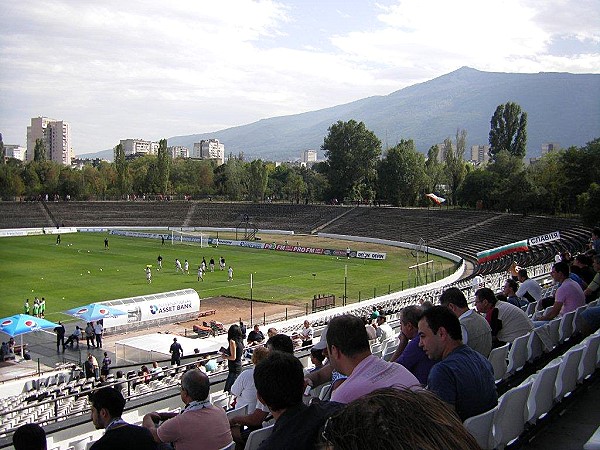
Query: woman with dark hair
(233,355)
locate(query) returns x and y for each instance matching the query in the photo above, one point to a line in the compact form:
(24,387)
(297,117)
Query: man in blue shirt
(463,378)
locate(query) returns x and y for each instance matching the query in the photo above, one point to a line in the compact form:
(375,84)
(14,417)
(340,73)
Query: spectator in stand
(243,388)
(156,371)
(383,330)
(568,297)
(593,289)
(307,334)
(595,240)
(412,355)
(506,320)
(582,266)
(242,426)
(513,270)
(272,332)
(350,354)
(398,419)
(30,437)
(255,337)
(200,424)
(463,378)
(374,313)
(371,331)
(316,358)
(510,290)
(106,362)
(476,332)
(233,355)
(529,289)
(279,381)
(176,352)
(107,405)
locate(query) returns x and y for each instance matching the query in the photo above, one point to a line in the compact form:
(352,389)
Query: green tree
(11,184)
(508,130)
(401,174)
(454,163)
(39,151)
(580,166)
(295,187)
(589,205)
(163,166)
(434,170)
(477,189)
(257,180)
(352,152)
(121,168)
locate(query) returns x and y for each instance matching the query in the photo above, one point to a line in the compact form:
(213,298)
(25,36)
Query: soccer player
(159,261)
(200,273)
(230,274)
(186,267)
(178,266)
(149,274)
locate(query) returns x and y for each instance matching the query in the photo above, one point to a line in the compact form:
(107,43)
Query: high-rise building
(56,136)
(309,156)
(15,151)
(480,154)
(139,147)
(209,149)
(550,147)
(178,151)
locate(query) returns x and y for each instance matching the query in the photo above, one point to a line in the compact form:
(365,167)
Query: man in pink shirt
(568,297)
(350,354)
(199,425)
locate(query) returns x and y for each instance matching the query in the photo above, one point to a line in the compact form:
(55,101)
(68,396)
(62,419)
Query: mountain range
(561,108)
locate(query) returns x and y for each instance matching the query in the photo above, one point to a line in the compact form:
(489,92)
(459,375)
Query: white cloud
(151,69)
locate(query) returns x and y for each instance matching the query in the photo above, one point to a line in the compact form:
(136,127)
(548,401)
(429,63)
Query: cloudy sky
(150,69)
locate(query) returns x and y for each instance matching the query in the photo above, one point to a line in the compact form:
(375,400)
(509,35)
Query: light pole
(250,300)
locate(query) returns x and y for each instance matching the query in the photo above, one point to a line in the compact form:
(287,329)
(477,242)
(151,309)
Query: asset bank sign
(538,240)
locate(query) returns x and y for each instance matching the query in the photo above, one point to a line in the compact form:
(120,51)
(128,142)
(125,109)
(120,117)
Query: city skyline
(152,70)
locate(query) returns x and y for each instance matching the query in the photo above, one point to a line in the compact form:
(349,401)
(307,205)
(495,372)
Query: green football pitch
(81,271)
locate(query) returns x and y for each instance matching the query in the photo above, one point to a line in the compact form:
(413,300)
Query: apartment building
(209,149)
(56,135)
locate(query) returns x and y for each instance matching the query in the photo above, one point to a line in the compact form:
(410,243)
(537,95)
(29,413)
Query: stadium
(464,243)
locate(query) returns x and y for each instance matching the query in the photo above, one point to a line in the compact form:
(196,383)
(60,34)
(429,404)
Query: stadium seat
(566,327)
(531,308)
(498,360)
(242,411)
(541,396)
(578,323)
(593,442)
(535,347)
(229,446)
(517,355)
(566,379)
(480,427)
(257,437)
(587,364)
(553,327)
(509,420)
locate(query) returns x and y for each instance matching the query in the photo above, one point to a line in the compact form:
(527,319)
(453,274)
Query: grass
(81,271)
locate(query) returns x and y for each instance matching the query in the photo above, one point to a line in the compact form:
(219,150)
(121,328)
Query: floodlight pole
(250,300)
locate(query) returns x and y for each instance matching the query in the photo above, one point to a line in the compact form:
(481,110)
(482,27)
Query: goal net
(189,238)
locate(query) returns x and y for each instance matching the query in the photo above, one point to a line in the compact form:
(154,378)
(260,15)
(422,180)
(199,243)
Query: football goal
(189,238)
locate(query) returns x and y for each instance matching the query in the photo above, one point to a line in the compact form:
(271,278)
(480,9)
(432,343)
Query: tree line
(356,170)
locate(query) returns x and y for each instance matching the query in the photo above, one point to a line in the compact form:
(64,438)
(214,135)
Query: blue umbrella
(95,311)
(20,324)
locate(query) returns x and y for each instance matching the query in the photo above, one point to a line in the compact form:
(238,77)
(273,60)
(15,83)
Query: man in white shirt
(529,289)
(384,330)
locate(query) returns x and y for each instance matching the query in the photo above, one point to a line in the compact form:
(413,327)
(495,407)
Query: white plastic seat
(553,327)
(535,347)
(565,330)
(257,437)
(242,411)
(541,396)
(229,446)
(509,420)
(587,364)
(376,348)
(480,427)
(578,323)
(531,308)
(566,379)
(389,352)
(517,355)
(498,358)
